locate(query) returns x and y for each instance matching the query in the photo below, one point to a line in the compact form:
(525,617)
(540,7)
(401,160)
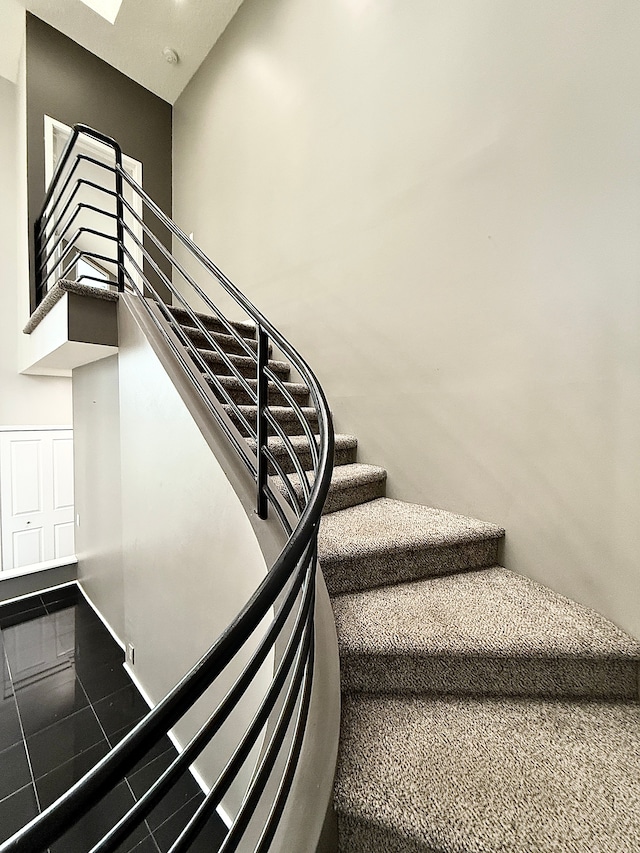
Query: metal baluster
(120,220)
(39,296)
(261,423)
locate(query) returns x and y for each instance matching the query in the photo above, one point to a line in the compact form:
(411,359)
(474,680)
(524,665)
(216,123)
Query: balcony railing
(98,225)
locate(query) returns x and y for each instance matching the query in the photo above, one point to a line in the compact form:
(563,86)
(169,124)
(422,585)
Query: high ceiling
(142,31)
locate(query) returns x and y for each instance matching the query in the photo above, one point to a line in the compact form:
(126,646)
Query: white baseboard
(226,819)
(100,616)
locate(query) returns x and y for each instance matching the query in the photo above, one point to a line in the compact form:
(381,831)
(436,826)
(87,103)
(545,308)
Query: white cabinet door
(36,496)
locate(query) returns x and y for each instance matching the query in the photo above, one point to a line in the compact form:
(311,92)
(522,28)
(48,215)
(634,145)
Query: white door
(36,496)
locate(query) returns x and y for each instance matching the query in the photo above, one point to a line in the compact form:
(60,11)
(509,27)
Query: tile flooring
(66,699)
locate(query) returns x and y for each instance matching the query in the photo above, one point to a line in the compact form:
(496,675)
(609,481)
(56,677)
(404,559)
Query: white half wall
(439,203)
(165,550)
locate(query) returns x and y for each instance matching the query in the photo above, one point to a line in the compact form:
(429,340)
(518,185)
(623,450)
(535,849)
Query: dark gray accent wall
(70,84)
(92,321)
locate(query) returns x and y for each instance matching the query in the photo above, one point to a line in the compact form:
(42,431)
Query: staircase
(481,711)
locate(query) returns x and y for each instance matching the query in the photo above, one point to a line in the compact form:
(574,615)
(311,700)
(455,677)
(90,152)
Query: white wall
(24,400)
(440,204)
(13,16)
(165,549)
(98,496)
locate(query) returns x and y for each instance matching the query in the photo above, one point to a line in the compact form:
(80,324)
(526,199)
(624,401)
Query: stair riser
(275,397)
(342,498)
(378,569)
(246,369)
(214,325)
(341,457)
(289,426)
(615,680)
(227,343)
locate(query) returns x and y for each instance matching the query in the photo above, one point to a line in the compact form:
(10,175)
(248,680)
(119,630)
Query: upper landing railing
(95,226)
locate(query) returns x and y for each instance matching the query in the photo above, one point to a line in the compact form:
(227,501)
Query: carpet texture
(478,775)
(238,394)
(350,485)
(245,329)
(482,632)
(245,365)
(482,712)
(286,417)
(346,447)
(226,342)
(387,541)
(56,293)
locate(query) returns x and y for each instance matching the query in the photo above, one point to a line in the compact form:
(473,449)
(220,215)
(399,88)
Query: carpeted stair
(451,774)
(284,415)
(488,632)
(482,712)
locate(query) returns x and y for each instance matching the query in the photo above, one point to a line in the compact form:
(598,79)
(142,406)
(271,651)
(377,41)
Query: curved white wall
(166,551)
(439,203)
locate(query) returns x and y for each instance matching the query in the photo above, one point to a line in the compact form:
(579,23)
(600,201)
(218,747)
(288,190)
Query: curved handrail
(292,571)
(76,131)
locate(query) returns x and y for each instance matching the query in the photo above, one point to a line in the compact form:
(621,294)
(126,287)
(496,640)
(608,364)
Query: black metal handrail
(288,590)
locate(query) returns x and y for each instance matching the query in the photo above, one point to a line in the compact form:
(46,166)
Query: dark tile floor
(65,701)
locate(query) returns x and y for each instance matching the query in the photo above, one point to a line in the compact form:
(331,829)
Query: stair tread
(351,484)
(385,541)
(344,476)
(493,612)
(470,776)
(279,412)
(387,525)
(225,340)
(213,356)
(245,327)
(234,382)
(301,442)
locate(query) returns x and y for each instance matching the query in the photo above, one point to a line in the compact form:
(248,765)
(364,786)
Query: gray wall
(70,84)
(24,400)
(438,202)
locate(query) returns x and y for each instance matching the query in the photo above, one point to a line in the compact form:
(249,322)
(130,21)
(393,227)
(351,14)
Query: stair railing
(109,228)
